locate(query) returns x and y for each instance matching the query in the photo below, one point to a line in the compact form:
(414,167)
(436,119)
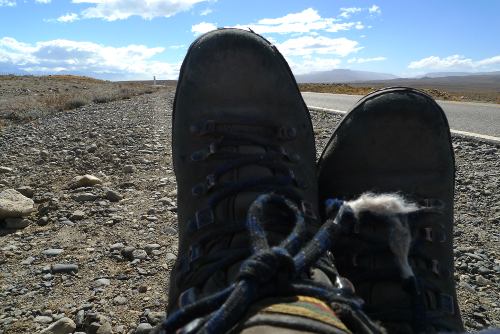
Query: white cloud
(202,28)
(306,21)
(7,3)
(454,62)
(347,12)
(112,10)
(43,1)
(205,12)
(321,45)
(308,65)
(70,17)
(374,10)
(365,60)
(131,61)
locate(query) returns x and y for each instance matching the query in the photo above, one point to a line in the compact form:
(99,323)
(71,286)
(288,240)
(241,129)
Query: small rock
(170,230)
(101,282)
(149,248)
(85,181)
(139,254)
(28,261)
(127,252)
(16,223)
(14,204)
(44,220)
(92,148)
(120,300)
(143,328)
(128,169)
(170,257)
(105,328)
(77,215)
(61,326)
(142,288)
(5,170)
(26,191)
(53,251)
(155,318)
(113,196)
(481,280)
(64,268)
(118,246)
(43,319)
(86,197)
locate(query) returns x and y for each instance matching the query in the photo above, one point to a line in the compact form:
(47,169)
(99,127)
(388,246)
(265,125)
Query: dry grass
(439,94)
(24,98)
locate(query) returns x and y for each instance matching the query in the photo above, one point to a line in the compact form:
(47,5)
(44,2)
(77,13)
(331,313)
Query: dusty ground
(126,143)
(24,98)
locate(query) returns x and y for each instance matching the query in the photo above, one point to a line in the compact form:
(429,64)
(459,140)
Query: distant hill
(457,74)
(342,76)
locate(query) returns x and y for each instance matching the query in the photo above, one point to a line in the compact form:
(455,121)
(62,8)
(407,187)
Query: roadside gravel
(97,254)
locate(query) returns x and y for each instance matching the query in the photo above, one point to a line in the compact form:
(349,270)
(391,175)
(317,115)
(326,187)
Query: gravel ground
(120,234)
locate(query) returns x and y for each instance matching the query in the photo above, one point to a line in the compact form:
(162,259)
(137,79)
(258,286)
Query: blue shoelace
(270,271)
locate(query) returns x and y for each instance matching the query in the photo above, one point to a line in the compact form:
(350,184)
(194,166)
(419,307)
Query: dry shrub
(60,102)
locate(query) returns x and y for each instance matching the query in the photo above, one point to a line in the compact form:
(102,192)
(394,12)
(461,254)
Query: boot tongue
(235,208)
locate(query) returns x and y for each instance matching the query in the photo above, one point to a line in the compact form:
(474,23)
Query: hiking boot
(397,140)
(240,129)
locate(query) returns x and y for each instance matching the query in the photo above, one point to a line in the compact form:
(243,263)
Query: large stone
(61,326)
(14,204)
(86,180)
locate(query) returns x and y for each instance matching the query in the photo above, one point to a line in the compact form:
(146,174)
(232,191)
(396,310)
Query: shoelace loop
(221,311)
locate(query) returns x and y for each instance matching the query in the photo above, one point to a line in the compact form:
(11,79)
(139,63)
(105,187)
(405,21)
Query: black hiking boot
(240,129)
(397,140)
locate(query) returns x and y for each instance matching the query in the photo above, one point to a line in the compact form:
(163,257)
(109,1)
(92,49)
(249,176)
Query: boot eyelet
(204,217)
(429,235)
(211,181)
(198,190)
(435,267)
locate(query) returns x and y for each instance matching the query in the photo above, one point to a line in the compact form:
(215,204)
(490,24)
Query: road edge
(455,133)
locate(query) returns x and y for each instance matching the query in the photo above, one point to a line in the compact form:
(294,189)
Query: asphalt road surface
(481,119)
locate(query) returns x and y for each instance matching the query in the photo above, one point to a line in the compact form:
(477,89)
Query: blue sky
(136,39)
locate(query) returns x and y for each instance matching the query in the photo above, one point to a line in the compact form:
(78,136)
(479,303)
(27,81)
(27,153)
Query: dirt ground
(122,233)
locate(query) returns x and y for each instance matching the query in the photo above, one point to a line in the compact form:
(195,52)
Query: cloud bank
(66,56)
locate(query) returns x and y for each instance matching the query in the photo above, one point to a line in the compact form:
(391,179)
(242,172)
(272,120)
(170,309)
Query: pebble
(64,268)
(28,261)
(170,256)
(53,251)
(26,191)
(127,252)
(116,247)
(77,215)
(120,300)
(101,282)
(85,181)
(61,326)
(139,254)
(43,319)
(143,328)
(128,169)
(86,197)
(5,170)
(149,248)
(16,223)
(113,196)
(155,318)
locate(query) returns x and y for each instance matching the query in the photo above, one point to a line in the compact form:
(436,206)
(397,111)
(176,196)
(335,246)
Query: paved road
(478,118)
